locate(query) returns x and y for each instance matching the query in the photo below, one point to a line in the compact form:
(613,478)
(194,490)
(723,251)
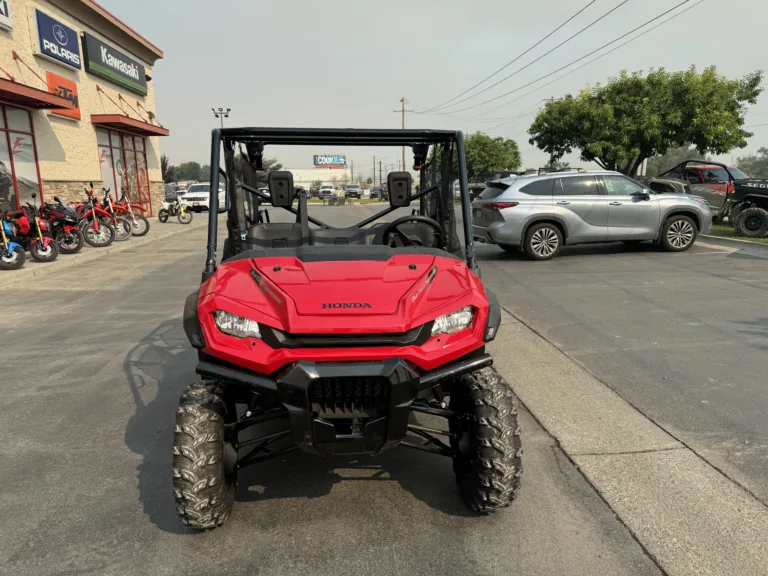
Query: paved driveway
(93,363)
(683,337)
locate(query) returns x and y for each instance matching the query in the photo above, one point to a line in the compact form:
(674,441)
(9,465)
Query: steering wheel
(391,232)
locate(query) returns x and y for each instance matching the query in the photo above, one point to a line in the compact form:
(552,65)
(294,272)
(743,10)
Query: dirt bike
(176,208)
(123,226)
(63,219)
(12,254)
(35,233)
(134,212)
(97,225)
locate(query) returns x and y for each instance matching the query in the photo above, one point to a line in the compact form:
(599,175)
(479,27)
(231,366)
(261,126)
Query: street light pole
(221,114)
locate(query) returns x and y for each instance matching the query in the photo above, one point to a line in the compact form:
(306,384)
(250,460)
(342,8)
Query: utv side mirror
(399,186)
(34,195)
(56,199)
(223,206)
(281,188)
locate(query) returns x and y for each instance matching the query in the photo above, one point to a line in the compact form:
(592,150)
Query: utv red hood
(342,296)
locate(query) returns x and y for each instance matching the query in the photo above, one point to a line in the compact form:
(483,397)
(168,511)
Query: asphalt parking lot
(94,360)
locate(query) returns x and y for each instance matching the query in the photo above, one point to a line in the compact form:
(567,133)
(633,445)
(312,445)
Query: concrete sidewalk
(688,516)
(157,231)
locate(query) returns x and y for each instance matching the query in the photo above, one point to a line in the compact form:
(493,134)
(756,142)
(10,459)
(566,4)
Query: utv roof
(341,136)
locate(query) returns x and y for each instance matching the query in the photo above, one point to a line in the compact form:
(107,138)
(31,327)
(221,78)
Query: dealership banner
(57,41)
(329,161)
(66,89)
(105,61)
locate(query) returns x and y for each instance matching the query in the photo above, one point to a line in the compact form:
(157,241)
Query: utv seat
(274,235)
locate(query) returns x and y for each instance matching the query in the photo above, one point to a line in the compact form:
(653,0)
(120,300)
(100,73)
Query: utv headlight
(236,326)
(454,321)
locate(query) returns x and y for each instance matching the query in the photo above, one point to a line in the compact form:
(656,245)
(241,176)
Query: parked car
(170,192)
(197,197)
(314,191)
(326,191)
(352,191)
(478,183)
(540,213)
(376,193)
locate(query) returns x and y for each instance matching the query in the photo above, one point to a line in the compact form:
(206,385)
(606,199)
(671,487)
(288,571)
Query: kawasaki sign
(105,61)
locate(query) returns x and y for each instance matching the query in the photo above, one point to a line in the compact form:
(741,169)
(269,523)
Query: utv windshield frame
(433,153)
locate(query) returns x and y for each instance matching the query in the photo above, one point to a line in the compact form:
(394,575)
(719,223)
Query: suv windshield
(199,188)
(493,190)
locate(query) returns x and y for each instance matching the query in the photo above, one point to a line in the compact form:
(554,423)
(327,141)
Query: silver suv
(540,213)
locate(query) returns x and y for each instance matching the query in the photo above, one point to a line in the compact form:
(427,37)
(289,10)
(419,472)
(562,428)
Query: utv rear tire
(543,241)
(752,223)
(203,482)
(488,462)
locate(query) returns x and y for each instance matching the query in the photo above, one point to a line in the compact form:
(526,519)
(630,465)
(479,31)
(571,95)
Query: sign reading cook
(105,61)
(325,160)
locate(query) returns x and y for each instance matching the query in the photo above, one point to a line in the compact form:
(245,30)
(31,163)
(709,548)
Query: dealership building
(77,104)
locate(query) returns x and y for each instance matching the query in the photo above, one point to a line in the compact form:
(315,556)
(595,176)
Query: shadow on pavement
(158,368)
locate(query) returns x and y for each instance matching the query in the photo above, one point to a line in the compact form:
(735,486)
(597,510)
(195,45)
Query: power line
(611,11)
(515,60)
(577,60)
(589,62)
(755,125)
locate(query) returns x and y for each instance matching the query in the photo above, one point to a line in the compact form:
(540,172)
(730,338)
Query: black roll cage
(258,138)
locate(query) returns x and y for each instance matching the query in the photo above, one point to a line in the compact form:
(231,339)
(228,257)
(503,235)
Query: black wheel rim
(753,223)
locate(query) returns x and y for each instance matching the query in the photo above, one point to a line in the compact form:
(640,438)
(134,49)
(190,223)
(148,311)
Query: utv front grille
(346,397)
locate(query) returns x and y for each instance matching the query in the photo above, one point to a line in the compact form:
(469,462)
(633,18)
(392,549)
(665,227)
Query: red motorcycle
(63,220)
(35,233)
(123,226)
(134,212)
(97,225)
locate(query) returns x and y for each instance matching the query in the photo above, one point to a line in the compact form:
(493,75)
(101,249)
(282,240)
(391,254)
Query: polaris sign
(103,60)
(57,41)
(322,161)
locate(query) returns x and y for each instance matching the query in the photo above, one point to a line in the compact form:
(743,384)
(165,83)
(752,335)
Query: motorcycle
(129,209)
(123,226)
(12,254)
(63,219)
(97,225)
(176,208)
(35,234)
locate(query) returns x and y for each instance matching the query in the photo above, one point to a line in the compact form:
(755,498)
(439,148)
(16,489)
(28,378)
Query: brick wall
(69,191)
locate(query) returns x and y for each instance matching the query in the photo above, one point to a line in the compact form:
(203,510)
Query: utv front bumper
(346,407)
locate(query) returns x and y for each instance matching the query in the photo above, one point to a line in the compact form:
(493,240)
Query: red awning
(29,97)
(127,124)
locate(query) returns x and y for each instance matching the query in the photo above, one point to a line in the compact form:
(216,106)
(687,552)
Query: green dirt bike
(176,208)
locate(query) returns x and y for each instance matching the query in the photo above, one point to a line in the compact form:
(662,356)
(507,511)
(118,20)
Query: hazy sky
(347,63)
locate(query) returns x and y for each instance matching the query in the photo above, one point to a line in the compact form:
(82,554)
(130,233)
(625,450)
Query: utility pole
(221,114)
(402,102)
(353,170)
(381,182)
(374,169)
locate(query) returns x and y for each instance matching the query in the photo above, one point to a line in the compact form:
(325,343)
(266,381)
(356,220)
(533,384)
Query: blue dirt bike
(12,255)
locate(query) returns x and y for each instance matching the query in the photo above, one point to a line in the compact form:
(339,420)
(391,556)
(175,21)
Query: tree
(317,182)
(635,117)
(188,171)
(260,177)
(486,154)
(754,165)
(557,165)
(168,172)
(674,156)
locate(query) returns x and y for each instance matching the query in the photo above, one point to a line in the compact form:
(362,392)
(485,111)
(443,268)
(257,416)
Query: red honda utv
(333,340)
